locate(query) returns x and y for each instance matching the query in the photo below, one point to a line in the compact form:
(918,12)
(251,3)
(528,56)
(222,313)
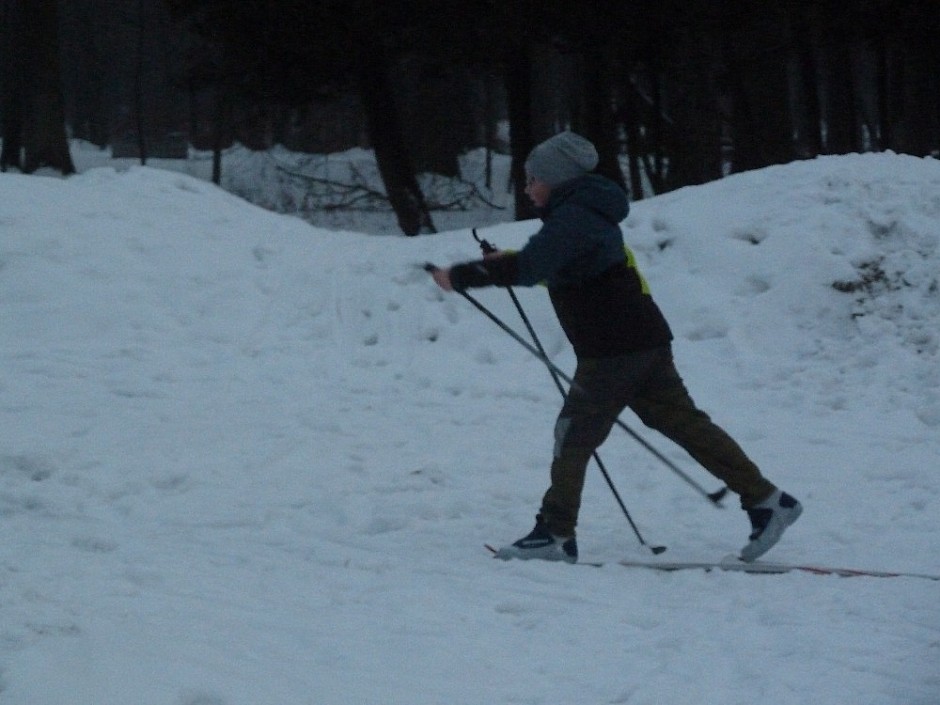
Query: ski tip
(489,548)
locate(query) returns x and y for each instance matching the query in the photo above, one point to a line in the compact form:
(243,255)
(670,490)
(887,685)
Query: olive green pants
(648,383)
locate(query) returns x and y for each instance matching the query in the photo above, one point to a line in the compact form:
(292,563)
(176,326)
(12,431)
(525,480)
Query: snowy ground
(244,461)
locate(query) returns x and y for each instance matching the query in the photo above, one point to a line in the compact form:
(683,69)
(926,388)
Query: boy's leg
(665,405)
(600,392)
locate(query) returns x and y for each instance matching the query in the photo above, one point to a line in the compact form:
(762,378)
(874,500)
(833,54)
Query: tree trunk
(917,53)
(222,132)
(139,86)
(689,119)
(40,92)
(393,161)
(631,127)
(657,131)
(437,117)
(519,103)
(761,128)
(599,114)
(84,68)
(809,121)
(884,84)
(838,29)
(490,117)
(757,60)
(11,99)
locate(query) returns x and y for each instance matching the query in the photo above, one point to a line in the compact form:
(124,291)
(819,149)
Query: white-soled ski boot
(541,544)
(769,520)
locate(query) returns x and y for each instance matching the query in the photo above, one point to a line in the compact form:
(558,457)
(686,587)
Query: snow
(245,461)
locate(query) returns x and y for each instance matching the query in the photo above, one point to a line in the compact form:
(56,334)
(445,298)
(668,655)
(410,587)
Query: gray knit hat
(561,158)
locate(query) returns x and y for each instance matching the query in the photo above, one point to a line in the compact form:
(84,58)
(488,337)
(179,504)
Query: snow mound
(244,460)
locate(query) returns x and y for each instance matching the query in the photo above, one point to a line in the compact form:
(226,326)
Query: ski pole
(714,497)
(487,249)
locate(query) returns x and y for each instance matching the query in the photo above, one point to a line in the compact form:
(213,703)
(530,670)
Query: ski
(734,564)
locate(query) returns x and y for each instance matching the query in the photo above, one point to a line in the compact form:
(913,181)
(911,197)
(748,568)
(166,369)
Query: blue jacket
(601,300)
(580,236)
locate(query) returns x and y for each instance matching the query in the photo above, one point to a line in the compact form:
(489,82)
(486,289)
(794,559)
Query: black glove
(496,271)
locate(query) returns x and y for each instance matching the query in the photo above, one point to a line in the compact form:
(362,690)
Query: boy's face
(537,191)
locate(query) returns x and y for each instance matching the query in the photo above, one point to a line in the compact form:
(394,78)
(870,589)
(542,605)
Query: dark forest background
(673,92)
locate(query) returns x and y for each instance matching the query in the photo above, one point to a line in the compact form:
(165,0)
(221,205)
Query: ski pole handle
(485,245)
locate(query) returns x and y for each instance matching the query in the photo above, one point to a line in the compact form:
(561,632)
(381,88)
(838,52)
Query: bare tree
(385,132)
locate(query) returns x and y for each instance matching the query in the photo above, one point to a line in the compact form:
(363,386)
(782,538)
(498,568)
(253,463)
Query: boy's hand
(441,276)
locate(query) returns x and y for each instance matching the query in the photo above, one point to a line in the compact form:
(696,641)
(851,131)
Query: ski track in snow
(246,461)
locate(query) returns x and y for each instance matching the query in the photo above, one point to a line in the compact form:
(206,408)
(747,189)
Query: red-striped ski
(734,564)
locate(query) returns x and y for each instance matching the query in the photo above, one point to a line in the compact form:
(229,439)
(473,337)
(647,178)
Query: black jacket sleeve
(497,271)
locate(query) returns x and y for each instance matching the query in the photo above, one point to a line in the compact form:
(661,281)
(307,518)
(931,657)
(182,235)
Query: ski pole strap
(485,245)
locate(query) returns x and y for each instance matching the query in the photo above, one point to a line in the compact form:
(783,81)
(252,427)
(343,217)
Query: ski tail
(735,564)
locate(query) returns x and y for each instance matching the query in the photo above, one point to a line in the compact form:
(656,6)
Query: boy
(623,347)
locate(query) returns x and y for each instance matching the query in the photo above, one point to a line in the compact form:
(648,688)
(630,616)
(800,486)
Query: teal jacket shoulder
(580,235)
